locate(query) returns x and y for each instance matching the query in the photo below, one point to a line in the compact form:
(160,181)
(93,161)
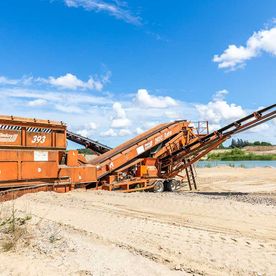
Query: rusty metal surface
(128,144)
(17,132)
(27,164)
(30,121)
(136,147)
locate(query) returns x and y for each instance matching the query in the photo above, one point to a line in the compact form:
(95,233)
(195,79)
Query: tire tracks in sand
(172,235)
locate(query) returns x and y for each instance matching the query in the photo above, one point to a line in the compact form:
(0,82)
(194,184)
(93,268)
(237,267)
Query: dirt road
(108,233)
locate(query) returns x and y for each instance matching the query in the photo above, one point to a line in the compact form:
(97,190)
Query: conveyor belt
(201,146)
(95,146)
(132,142)
(184,157)
(243,124)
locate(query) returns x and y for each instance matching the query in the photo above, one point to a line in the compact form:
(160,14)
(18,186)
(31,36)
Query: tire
(158,186)
(172,185)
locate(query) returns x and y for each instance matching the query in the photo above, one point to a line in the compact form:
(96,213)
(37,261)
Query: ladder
(190,173)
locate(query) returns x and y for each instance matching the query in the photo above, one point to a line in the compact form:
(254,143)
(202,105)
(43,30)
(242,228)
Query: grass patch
(13,229)
(239,155)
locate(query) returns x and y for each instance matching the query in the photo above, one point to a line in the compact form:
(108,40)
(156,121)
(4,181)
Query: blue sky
(112,69)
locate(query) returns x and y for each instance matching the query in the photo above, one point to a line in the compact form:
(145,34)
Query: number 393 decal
(39,139)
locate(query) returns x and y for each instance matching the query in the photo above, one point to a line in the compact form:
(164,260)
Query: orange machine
(33,156)
(32,152)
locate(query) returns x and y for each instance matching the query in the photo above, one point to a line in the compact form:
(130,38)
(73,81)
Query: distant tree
(260,143)
(85,151)
(266,144)
(233,144)
(239,143)
(256,143)
(221,146)
(246,143)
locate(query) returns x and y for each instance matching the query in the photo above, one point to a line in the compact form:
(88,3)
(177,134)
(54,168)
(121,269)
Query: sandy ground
(253,149)
(228,179)
(217,231)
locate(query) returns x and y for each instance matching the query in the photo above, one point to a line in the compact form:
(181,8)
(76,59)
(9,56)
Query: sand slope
(108,233)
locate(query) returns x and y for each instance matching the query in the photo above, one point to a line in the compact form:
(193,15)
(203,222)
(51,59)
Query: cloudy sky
(111,69)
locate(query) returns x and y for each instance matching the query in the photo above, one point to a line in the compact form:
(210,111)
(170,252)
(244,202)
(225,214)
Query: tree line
(240,143)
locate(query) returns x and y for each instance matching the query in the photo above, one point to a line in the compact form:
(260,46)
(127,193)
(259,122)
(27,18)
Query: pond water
(240,164)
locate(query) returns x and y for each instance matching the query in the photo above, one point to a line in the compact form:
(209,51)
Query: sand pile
(106,233)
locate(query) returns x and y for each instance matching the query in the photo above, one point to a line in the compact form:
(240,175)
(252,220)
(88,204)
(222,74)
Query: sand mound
(108,233)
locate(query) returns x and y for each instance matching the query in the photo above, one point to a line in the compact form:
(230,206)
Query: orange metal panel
(82,159)
(60,140)
(149,161)
(72,158)
(35,170)
(28,155)
(38,139)
(8,171)
(10,137)
(150,171)
(32,133)
(83,174)
(141,170)
(8,155)
(87,174)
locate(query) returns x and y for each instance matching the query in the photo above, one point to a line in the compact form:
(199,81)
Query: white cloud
(172,115)
(116,8)
(218,110)
(91,126)
(236,56)
(124,132)
(110,118)
(83,132)
(113,133)
(88,129)
(70,81)
(109,133)
(56,97)
(67,81)
(22,81)
(4,80)
(220,95)
(213,127)
(260,128)
(118,109)
(147,100)
(150,123)
(139,130)
(120,120)
(68,108)
(37,102)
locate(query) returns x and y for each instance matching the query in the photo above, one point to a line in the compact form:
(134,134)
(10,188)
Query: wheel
(158,186)
(172,185)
